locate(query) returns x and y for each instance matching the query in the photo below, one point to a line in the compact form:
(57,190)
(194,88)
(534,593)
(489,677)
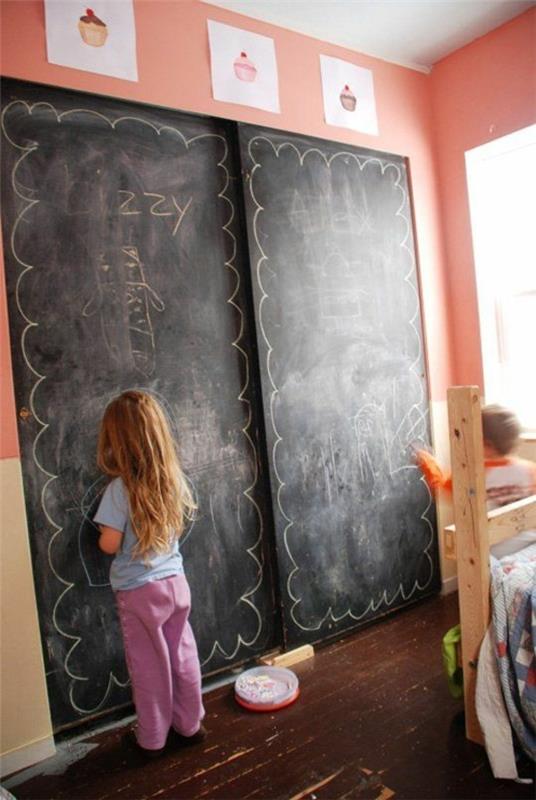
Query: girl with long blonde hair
(141,516)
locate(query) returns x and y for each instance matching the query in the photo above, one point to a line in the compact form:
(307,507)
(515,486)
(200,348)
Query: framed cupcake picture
(92,35)
(348,92)
(243,67)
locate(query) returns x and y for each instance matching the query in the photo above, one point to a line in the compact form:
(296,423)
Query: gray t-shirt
(129,571)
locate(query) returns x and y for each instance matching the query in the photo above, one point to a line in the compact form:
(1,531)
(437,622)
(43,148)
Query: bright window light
(501,177)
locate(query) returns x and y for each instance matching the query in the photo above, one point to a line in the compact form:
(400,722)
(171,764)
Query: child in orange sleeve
(508,478)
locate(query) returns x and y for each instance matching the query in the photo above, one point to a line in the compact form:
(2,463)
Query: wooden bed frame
(474,531)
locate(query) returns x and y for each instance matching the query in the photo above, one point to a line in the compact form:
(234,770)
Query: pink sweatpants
(162,659)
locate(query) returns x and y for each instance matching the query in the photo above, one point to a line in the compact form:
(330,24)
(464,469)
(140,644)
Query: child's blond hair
(136,445)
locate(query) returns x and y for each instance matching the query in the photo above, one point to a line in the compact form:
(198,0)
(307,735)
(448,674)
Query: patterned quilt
(513,588)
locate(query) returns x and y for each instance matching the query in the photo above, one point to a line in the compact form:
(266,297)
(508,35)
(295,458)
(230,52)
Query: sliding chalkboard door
(125,268)
(342,370)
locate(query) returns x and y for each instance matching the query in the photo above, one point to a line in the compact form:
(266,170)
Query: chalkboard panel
(341,358)
(125,269)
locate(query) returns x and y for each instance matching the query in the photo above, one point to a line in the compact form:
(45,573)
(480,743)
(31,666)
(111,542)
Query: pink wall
(9,446)
(173,64)
(481,92)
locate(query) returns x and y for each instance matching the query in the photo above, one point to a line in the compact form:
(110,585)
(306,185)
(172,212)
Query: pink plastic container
(266,688)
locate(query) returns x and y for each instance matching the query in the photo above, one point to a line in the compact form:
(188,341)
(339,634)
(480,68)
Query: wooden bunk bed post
(471,521)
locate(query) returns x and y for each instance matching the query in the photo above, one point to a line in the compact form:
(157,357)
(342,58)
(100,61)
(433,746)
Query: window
(501,177)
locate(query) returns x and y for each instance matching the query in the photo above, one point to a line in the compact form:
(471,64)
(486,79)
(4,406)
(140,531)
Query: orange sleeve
(533,478)
(433,474)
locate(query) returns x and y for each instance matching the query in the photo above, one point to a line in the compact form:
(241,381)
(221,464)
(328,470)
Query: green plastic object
(454,673)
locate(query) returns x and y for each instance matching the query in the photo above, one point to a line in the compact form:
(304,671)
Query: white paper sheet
(108,49)
(348,95)
(243,67)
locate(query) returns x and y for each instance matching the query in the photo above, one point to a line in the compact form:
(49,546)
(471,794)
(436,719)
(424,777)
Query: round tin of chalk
(266,688)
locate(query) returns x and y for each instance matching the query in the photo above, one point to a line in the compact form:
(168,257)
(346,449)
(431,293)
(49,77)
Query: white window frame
(492,297)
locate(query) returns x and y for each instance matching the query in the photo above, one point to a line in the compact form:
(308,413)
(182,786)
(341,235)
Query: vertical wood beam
(470,517)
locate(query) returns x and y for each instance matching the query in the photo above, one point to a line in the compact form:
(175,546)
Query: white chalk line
(86,519)
(245,598)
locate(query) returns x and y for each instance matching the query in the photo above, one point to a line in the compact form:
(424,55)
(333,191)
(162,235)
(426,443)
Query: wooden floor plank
(374,721)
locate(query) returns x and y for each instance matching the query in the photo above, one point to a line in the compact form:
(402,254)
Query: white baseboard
(449,585)
(26,756)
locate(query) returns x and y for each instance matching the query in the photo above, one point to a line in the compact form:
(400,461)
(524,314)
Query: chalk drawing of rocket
(140,299)
(129,298)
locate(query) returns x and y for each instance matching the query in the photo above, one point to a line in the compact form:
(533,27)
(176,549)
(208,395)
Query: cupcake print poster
(243,67)
(95,36)
(348,95)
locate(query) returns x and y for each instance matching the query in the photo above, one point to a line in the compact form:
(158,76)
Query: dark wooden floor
(374,720)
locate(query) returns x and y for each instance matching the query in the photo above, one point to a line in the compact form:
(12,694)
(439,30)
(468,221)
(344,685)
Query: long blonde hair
(135,444)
